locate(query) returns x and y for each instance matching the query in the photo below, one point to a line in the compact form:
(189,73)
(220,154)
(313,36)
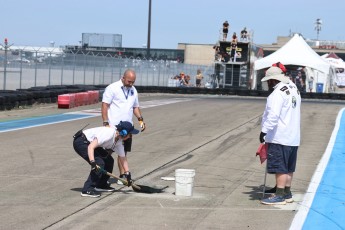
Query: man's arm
(91,154)
(137,113)
(91,149)
(104,109)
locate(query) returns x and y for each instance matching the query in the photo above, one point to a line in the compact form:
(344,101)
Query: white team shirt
(282,115)
(122,100)
(106,139)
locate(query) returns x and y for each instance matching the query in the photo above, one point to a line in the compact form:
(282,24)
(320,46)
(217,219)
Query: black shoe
(91,193)
(272,190)
(107,188)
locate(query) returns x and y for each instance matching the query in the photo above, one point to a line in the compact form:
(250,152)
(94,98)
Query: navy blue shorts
(281,159)
(128,145)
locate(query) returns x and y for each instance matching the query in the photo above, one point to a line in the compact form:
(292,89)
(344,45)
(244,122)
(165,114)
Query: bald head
(128,78)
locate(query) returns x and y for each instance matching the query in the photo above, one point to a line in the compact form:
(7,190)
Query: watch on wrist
(105,123)
(140,118)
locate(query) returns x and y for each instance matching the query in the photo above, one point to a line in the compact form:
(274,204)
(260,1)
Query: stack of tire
(40,94)
(7,99)
(21,98)
(10,99)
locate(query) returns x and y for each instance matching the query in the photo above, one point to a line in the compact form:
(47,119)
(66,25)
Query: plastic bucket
(184,179)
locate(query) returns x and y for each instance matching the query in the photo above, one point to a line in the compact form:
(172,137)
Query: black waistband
(83,137)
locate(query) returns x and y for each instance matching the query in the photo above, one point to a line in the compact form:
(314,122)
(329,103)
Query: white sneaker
(123,177)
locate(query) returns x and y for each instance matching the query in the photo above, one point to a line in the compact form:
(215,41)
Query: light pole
(6,46)
(149,33)
(318,24)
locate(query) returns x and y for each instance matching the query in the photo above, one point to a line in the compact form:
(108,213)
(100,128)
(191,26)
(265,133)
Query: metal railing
(25,69)
(325,44)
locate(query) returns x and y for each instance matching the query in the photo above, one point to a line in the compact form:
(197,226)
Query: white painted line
(302,213)
(168,178)
(143,105)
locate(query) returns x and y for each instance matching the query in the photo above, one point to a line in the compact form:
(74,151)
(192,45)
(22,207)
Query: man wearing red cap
(280,129)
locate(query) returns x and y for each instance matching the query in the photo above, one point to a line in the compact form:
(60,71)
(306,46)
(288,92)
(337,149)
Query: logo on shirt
(294,102)
(285,89)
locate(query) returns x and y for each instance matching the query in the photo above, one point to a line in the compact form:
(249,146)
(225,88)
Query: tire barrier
(23,98)
(69,96)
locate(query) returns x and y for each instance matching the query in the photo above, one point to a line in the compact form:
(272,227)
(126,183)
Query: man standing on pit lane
(281,131)
(120,101)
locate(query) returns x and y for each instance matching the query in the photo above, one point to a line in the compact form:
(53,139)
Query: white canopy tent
(339,65)
(298,52)
(334,60)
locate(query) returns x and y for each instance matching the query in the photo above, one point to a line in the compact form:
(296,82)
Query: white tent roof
(334,60)
(295,52)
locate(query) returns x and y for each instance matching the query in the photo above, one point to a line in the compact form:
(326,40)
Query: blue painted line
(323,205)
(46,120)
(328,207)
(39,121)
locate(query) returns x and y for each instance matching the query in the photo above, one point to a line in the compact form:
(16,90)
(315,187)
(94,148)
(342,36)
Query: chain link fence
(24,69)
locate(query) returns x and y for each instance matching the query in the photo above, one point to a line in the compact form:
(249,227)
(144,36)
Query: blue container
(319,87)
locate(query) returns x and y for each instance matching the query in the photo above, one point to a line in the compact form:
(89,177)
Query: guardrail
(14,99)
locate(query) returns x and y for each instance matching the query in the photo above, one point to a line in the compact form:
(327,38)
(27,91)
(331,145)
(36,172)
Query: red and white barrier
(68,101)
(93,96)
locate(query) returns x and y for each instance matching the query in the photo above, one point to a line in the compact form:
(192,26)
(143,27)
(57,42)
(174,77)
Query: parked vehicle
(22,60)
(2,59)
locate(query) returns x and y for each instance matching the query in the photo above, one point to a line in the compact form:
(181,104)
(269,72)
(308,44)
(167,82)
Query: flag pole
(264,189)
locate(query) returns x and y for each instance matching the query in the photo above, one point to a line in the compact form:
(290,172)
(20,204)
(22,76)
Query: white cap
(275,73)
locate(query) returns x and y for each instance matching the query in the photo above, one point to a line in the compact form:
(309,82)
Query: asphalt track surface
(41,176)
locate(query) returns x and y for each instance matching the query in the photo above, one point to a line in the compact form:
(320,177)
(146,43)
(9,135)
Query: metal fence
(25,69)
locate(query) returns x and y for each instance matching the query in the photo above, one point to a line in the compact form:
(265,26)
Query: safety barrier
(81,99)
(91,94)
(66,101)
(60,94)
(78,99)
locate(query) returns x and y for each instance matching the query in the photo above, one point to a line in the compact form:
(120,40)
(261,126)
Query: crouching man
(95,146)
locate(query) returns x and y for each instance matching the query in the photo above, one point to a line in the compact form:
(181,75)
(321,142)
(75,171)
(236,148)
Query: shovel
(135,187)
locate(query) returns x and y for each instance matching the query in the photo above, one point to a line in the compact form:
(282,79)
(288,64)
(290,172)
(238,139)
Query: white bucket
(184,179)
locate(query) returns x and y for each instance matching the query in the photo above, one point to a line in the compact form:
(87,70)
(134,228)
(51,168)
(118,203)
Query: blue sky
(37,22)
